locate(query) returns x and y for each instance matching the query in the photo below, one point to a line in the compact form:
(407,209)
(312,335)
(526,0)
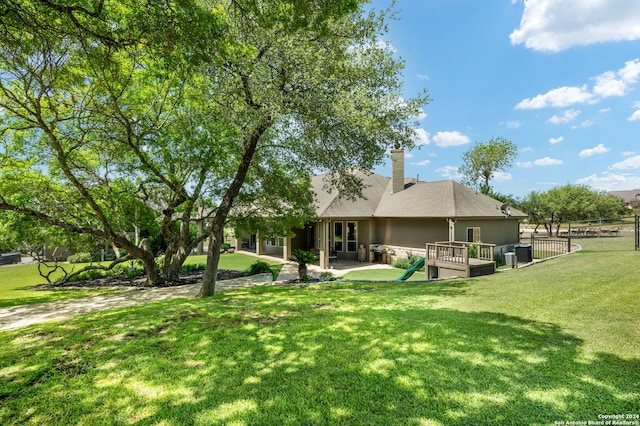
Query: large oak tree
(119,116)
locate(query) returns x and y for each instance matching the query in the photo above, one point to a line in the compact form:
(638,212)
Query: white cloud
(628,164)
(422,136)
(548,25)
(611,181)
(635,116)
(421,163)
(408,155)
(449,172)
(527,149)
(617,83)
(446,139)
(560,98)
(422,77)
(511,124)
(554,141)
(586,123)
(502,176)
(540,162)
(628,153)
(569,115)
(421,115)
(547,161)
(600,149)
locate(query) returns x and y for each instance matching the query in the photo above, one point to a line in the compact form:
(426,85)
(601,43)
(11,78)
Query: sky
(559,78)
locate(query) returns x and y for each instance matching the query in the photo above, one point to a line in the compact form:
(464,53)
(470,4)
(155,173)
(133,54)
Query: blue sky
(559,78)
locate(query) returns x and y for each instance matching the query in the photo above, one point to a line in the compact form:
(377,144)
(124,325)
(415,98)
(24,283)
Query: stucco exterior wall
(415,232)
(495,231)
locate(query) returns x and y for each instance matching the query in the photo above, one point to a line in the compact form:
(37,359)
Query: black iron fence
(544,248)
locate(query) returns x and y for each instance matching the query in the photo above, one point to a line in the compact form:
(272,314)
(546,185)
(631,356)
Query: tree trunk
(153,275)
(146,255)
(217,227)
(213,258)
(302,271)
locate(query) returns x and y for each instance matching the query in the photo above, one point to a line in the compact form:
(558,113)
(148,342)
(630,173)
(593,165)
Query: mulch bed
(191,277)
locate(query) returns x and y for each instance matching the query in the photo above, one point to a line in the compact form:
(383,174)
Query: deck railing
(458,251)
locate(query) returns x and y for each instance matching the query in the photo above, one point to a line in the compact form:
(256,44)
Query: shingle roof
(447,199)
(628,196)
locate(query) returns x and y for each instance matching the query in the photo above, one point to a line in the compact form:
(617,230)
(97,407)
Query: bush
(79,258)
(192,267)
(473,251)
(259,267)
(402,263)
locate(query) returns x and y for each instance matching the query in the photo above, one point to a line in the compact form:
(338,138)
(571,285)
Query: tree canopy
(484,159)
(121,116)
(569,203)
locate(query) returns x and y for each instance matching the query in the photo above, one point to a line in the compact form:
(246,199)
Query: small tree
(303,258)
(480,163)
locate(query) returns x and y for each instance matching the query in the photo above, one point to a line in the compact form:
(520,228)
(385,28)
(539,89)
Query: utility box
(523,253)
(510,259)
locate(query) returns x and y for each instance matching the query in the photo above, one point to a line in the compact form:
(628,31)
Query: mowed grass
(556,342)
(16,280)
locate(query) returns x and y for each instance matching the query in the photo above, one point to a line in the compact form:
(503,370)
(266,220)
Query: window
(352,236)
(473,235)
(337,236)
(275,242)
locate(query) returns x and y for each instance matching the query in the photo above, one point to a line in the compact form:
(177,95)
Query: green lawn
(556,342)
(16,280)
(382,275)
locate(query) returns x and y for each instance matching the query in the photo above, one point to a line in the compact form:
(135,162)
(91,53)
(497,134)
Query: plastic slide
(411,270)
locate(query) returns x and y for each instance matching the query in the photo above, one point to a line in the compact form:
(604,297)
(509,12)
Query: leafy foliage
(568,203)
(259,267)
(480,163)
(303,257)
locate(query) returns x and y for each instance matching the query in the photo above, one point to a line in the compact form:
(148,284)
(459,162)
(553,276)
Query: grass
(556,342)
(16,280)
(382,275)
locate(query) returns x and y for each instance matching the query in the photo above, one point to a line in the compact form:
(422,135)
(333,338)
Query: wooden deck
(451,259)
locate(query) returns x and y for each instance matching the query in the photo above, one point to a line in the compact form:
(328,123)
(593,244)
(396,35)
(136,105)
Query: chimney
(397,170)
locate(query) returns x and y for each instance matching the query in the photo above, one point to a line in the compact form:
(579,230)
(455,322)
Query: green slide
(411,270)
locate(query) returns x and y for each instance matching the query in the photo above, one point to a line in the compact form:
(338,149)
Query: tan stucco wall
(415,232)
(495,231)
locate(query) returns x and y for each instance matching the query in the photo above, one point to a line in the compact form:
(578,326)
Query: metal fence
(544,248)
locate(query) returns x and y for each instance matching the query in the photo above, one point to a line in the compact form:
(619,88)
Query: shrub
(302,257)
(402,263)
(192,267)
(473,251)
(79,258)
(412,258)
(259,267)
(224,247)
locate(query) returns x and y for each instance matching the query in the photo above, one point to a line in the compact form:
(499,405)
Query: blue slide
(411,270)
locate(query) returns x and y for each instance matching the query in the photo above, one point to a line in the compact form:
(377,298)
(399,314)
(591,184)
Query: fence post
(533,249)
(569,239)
(637,232)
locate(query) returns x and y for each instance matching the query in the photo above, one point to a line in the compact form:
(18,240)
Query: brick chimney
(397,170)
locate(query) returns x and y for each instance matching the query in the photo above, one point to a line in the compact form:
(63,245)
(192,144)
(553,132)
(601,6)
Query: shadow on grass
(298,356)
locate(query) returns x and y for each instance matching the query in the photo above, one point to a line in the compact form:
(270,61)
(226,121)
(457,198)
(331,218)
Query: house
(630,197)
(398,214)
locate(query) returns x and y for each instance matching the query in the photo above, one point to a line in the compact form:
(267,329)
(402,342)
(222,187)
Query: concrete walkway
(21,316)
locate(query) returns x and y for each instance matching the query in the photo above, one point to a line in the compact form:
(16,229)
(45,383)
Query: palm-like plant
(302,258)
